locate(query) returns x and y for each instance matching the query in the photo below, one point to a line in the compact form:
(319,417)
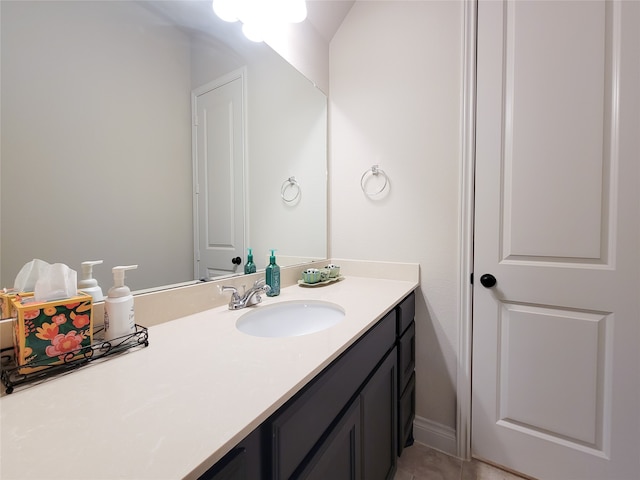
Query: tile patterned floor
(422,463)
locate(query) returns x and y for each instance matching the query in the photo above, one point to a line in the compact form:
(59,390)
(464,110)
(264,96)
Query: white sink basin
(290,319)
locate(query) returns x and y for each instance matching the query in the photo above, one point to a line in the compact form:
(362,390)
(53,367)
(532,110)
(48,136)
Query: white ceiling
(324,15)
(327,15)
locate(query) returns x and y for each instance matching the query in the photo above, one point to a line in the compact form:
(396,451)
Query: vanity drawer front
(406,312)
(406,356)
(302,421)
(406,414)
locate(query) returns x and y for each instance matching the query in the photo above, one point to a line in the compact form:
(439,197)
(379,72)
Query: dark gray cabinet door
(339,457)
(232,467)
(247,461)
(379,400)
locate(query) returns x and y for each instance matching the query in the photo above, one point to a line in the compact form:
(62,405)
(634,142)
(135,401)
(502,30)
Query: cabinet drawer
(311,412)
(406,312)
(406,415)
(406,356)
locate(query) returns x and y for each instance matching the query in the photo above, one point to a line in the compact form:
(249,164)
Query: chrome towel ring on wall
(374,171)
(290,184)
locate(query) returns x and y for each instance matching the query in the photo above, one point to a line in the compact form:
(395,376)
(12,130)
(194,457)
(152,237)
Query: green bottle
(250,267)
(272,273)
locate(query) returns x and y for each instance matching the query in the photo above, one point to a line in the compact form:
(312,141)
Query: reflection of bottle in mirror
(119,318)
(272,276)
(250,267)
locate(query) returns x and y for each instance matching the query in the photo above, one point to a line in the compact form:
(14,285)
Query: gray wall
(395,83)
(69,138)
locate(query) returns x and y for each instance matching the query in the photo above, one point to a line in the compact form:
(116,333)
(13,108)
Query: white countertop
(173,409)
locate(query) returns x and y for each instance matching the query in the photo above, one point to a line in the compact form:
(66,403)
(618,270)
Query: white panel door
(219,178)
(556,368)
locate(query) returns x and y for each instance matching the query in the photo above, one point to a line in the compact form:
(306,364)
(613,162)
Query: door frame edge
(466,231)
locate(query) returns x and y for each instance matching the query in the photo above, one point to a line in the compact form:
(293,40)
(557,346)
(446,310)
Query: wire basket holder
(102,349)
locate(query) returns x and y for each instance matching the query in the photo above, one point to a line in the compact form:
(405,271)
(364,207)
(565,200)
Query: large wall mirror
(99,135)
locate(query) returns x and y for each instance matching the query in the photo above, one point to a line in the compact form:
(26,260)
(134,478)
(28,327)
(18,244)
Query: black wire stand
(99,350)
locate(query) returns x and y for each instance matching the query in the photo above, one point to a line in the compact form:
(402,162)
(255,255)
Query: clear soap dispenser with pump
(272,276)
(87,283)
(119,318)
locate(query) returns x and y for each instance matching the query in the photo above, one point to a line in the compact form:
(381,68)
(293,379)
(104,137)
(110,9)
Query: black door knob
(236,261)
(487,280)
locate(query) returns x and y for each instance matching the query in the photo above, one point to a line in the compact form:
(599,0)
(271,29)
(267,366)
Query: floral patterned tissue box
(49,333)
(6,295)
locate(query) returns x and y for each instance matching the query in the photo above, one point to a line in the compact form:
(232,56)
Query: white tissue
(56,282)
(28,275)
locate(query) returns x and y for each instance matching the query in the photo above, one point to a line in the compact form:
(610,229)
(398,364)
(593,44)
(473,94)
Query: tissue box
(50,333)
(6,295)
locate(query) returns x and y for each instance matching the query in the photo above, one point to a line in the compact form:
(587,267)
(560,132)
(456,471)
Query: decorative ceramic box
(49,333)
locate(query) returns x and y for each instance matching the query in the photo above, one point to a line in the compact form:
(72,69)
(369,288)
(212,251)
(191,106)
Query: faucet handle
(235,301)
(259,283)
(233,290)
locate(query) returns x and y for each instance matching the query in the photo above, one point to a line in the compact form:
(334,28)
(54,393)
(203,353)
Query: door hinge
(195,121)
(471,279)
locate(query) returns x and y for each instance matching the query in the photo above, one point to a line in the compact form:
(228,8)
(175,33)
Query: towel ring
(375,171)
(290,182)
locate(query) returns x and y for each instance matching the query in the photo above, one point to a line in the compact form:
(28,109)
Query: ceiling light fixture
(260,16)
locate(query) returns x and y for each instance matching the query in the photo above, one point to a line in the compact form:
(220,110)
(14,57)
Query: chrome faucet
(249,297)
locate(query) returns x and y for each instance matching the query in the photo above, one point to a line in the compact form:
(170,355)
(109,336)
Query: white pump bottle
(119,318)
(87,283)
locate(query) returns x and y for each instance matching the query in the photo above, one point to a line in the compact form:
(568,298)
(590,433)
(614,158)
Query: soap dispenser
(272,274)
(87,283)
(250,267)
(119,319)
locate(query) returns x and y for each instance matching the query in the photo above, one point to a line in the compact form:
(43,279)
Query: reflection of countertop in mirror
(173,409)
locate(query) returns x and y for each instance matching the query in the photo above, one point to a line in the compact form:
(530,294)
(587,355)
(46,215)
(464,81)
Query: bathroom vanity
(349,422)
(205,400)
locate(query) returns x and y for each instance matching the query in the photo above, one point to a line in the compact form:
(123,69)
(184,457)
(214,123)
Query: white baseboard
(435,435)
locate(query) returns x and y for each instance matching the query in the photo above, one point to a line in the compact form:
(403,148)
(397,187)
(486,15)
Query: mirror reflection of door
(219,188)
